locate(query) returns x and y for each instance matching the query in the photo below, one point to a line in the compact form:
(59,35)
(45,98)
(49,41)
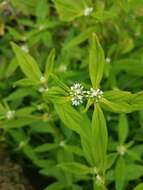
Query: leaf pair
(30,67)
(69,10)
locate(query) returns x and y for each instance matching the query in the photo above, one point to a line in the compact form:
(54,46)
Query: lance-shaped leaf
(139,187)
(49,64)
(99,138)
(27,63)
(137,101)
(116,107)
(79,123)
(120,174)
(118,96)
(96,61)
(72,119)
(78,39)
(122,128)
(46,147)
(69,10)
(56,185)
(75,168)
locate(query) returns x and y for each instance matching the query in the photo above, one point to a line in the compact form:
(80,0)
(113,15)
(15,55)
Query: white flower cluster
(78,94)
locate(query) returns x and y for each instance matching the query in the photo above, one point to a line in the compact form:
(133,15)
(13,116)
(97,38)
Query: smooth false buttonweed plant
(93,133)
(77,94)
(82,128)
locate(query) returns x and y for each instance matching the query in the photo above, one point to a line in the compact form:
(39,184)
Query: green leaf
(46,147)
(99,138)
(27,63)
(69,10)
(137,101)
(133,155)
(72,119)
(55,186)
(122,128)
(78,39)
(118,96)
(19,94)
(96,61)
(26,111)
(73,149)
(41,10)
(139,187)
(25,82)
(134,171)
(60,83)
(111,159)
(134,67)
(79,123)
(49,64)
(11,68)
(120,174)
(116,107)
(75,168)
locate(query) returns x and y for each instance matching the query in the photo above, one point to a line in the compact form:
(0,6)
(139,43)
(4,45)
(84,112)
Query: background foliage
(57,44)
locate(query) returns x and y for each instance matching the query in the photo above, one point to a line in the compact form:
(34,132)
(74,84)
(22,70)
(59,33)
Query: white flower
(88,11)
(77,94)
(42,79)
(122,150)
(108,59)
(10,114)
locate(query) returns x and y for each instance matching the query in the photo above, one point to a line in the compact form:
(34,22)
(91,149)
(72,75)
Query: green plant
(67,109)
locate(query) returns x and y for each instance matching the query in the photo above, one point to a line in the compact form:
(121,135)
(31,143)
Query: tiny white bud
(121,150)
(137,34)
(42,89)
(99,180)
(108,59)
(42,79)
(40,107)
(22,144)
(88,11)
(10,114)
(25,48)
(62,144)
(41,27)
(63,68)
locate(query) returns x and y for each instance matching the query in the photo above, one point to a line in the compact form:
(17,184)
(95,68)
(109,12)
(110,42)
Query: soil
(12,176)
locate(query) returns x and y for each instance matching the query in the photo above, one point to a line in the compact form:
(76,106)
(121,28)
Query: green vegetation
(71,90)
